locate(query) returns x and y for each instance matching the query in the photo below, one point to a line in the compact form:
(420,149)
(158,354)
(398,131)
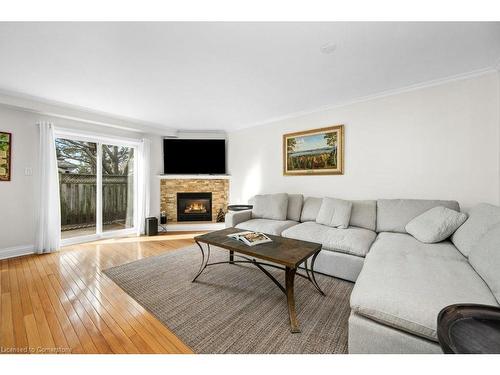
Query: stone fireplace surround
(170,186)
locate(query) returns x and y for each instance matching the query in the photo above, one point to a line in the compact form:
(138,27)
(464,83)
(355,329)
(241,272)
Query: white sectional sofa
(401,284)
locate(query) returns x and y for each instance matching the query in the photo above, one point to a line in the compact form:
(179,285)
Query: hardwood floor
(63,303)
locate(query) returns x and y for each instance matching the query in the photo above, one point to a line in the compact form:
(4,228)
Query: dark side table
(469,329)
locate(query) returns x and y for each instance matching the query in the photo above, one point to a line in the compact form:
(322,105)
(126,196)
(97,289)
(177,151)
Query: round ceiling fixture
(328,48)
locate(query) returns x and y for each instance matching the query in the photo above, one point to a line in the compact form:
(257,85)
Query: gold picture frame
(314,152)
(5,155)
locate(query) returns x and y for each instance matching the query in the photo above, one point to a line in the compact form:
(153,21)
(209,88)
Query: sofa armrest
(233,218)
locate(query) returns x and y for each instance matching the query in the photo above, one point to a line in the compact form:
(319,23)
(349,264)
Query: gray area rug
(236,308)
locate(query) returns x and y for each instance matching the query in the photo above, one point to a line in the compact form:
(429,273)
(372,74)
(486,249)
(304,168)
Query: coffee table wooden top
(285,251)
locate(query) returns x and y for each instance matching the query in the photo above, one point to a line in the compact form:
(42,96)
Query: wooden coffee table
(285,254)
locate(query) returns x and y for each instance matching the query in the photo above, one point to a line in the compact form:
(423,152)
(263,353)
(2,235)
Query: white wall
(437,142)
(17,197)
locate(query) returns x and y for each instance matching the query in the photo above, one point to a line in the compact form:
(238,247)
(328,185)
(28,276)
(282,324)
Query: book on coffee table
(250,238)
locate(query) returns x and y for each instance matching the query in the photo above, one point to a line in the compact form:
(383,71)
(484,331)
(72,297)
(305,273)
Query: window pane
(117,187)
(77,163)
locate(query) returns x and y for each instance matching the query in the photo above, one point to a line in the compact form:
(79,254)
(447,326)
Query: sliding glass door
(98,186)
(118,183)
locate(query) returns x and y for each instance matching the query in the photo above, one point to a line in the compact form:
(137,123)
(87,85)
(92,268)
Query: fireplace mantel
(194,177)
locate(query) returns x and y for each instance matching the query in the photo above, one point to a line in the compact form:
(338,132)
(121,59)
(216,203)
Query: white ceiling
(230,75)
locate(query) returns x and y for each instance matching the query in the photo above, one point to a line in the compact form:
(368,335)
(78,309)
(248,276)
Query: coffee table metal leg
(313,278)
(231,257)
(306,267)
(290,298)
(204,261)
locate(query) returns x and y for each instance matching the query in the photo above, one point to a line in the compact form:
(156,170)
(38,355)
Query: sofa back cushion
(310,209)
(334,213)
(394,214)
(295,202)
(436,224)
(364,214)
(270,206)
(481,218)
(485,258)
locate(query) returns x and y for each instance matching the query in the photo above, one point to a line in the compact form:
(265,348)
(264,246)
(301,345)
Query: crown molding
(206,134)
(32,104)
(41,106)
(379,95)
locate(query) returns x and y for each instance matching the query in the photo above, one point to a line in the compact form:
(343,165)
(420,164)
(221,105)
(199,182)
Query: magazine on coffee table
(250,238)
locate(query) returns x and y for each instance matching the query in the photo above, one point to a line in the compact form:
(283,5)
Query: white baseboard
(16,251)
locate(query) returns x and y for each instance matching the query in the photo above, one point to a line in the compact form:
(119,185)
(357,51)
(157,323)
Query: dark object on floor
(469,329)
(239,207)
(151,227)
(220,216)
(163,217)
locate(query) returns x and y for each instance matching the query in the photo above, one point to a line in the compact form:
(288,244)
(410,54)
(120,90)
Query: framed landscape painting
(314,152)
(5,155)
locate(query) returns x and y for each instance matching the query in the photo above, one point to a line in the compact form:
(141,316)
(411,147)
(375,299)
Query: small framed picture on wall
(5,155)
(314,152)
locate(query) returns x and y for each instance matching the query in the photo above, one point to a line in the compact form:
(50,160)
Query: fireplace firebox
(194,206)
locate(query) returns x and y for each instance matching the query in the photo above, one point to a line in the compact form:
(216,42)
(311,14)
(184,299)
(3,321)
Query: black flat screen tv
(194,156)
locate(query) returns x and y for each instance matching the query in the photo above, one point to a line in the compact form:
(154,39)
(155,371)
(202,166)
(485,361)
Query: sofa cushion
(405,283)
(310,209)
(354,241)
(295,202)
(485,258)
(435,225)
(334,213)
(481,218)
(394,214)
(270,206)
(268,226)
(364,214)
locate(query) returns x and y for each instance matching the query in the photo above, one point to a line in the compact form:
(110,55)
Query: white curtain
(143,181)
(48,230)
